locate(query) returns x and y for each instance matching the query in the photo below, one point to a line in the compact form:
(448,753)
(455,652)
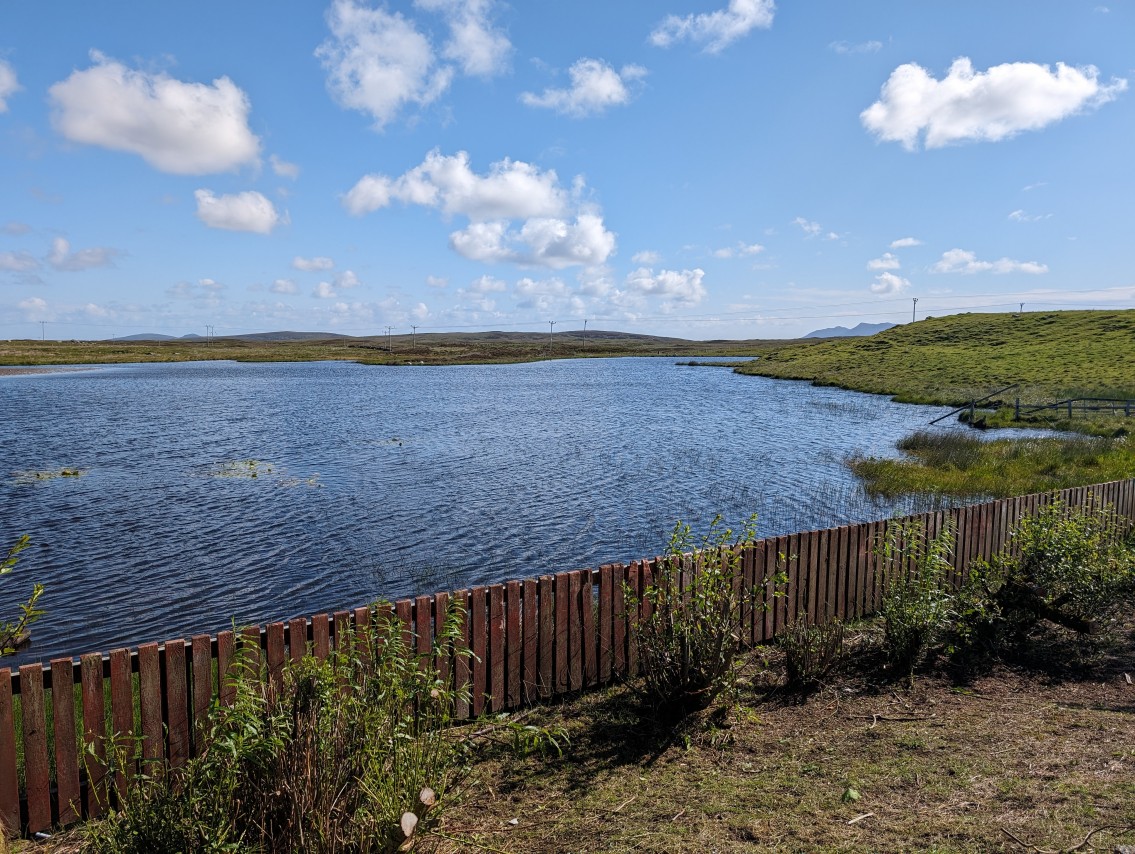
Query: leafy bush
(917,602)
(1072,566)
(13,633)
(689,635)
(353,754)
(811,651)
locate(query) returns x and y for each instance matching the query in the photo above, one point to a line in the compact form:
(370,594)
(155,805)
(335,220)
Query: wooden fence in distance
(531,640)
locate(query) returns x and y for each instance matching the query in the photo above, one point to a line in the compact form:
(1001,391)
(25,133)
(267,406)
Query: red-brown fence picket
(519,642)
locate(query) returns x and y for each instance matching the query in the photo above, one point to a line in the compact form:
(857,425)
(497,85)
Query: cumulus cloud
(647,257)
(595,86)
(9,85)
(18,262)
(861,47)
(324,290)
(886,262)
(480,49)
(715,30)
(681,288)
(488,285)
(379,62)
(812,229)
(283,286)
(437,281)
(33,304)
(311,265)
(557,231)
(904,242)
(540,242)
(62,258)
(347,279)
(176,127)
(283,168)
(983,106)
(247,211)
(889,283)
(965,262)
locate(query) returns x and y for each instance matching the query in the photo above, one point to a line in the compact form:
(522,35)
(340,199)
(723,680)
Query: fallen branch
(860,818)
(1116,827)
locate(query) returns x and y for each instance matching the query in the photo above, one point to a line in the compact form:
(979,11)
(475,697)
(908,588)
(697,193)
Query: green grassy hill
(951,360)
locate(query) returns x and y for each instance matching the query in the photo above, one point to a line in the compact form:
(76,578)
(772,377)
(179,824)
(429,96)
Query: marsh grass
(959,464)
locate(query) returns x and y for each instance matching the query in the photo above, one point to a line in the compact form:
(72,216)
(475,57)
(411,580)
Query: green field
(952,360)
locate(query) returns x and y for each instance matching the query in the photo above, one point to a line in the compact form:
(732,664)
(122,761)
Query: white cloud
(347,279)
(420,311)
(809,228)
(324,290)
(247,211)
(965,262)
(18,262)
(311,265)
(181,128)
(62,258)
(540,242)
(861,47)
(283,286)
(437,281)
(557,231)
(904,242)
(1021,216)
(987,106)
(681,288)
(647,257)
(595,86)
(886,262)
(33,304)
(510,190)
(742,249)
(474,44)
(889,283)
(716,30)
(488,285)
(283,168)
(16,228)
(211,285)
(9,85)
(377,62)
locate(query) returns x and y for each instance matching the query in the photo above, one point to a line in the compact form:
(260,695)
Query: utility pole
(388,328)
(41,332)
(551,323)
(914,311)
(414,337)
(1022,311)
(585,333)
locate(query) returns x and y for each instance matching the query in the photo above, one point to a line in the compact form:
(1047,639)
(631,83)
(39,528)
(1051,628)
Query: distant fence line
(530,640)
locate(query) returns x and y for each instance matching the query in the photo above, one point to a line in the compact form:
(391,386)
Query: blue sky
(699,168)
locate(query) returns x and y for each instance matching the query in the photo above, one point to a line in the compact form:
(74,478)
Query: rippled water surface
(383,482)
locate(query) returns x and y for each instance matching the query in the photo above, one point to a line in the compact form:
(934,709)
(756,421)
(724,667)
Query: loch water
(391,481)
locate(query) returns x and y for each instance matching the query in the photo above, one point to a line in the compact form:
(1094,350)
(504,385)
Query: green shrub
(352,754)
(13,633)
(1072,566)
(917,602)
(690,634)
(811,651)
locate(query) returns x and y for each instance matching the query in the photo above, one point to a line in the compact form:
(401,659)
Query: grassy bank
(967,465)
(429,349)
(952,360)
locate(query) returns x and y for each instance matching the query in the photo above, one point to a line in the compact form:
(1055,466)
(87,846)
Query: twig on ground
(860,818)
(1083,842)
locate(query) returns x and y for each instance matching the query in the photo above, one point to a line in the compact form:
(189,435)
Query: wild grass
(959,464)
(952,360)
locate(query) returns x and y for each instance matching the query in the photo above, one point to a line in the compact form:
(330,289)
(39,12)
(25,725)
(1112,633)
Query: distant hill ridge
(855,331)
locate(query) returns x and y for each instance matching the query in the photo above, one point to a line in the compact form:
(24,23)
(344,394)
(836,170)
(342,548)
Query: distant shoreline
(15,371)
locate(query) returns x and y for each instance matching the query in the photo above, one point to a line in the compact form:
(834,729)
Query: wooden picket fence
(530,640)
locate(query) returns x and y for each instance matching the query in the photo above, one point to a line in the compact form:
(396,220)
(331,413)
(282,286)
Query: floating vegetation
(261,470)
(243,468)
(46,474)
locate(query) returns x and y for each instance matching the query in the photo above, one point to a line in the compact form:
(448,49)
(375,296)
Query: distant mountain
(844,332)
(146,336)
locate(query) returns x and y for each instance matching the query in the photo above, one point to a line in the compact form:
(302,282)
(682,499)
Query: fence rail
(530,640)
